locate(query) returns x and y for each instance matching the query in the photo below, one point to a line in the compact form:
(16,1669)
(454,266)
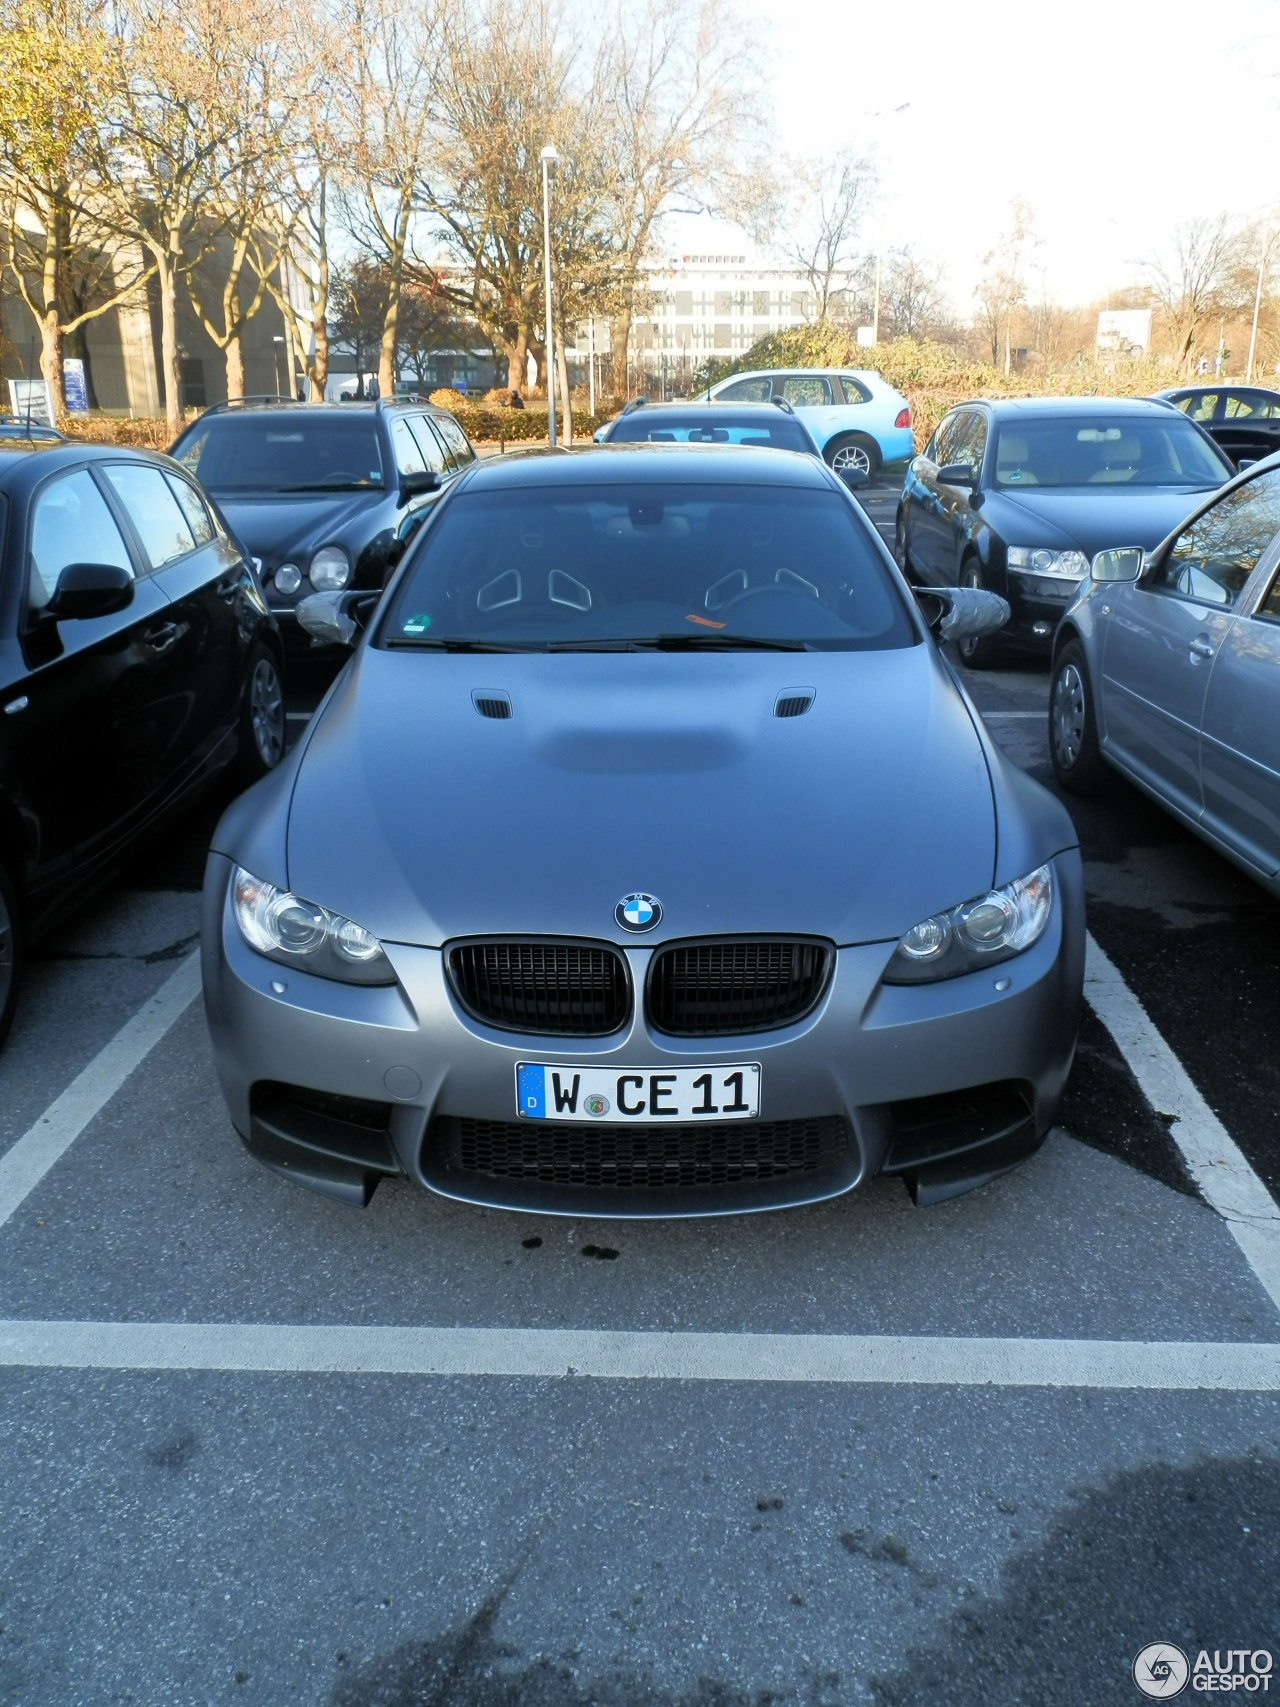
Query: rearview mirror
(962,613)
(1123,563)
(90,589)
(854,477)
(957,474)
(336,618)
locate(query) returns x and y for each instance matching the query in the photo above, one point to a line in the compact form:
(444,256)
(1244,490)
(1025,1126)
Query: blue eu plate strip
(531,1089)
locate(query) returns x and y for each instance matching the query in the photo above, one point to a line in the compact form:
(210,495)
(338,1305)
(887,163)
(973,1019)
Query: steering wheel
(771,591)
(1149,476)
(343,474)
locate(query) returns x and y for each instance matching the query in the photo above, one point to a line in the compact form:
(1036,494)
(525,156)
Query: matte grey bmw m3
(645,859)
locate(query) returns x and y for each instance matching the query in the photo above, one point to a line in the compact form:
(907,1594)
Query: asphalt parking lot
(261,1448)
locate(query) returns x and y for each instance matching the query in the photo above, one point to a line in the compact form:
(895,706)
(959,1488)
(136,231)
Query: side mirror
(854,477)
(962,613)
(415,485)
(1124,563)
(1247,462)
(331,618)
(958,474)
(90,589)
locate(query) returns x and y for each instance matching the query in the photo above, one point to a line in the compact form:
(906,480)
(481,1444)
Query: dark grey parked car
(1167,666)
(646,859)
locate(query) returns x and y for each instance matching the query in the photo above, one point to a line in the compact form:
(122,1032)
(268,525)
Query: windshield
(1107,451)
(277,453)
(721,427)
(703,565)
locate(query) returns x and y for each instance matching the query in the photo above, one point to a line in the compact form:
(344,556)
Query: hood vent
(491,704)
(793,702)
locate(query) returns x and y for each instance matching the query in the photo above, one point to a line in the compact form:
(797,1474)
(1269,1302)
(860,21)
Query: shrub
(448,398)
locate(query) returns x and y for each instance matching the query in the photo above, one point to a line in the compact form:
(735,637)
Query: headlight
(1032,560)
(330,569)
(295,932)
(288,578)
(978,933)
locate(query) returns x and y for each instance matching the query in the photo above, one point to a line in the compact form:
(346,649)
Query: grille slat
(556,988)
(641,1158)
(719,988)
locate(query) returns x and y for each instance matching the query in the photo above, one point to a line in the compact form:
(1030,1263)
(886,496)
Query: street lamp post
(549,157)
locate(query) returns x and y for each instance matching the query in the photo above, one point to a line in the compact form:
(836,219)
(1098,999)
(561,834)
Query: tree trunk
(620,340)
(319,372)
(170,372)
(51,362)
(562,391)
(234,356)
(517,355)
(387,374)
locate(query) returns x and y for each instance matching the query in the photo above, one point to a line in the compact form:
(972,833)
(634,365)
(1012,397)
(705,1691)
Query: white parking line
(988,715)
(41,1145)
(892,1360)
(298,716)
(1213,1159)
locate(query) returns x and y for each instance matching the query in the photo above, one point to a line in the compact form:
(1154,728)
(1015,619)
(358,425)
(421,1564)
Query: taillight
(904,418)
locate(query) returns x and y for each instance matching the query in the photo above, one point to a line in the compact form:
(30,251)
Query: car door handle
(1201,647)
(229,586)
(162,636)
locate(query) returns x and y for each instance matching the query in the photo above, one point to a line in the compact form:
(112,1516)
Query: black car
(137,660)
(1018,495)
(1243,419)
(770,425)
(323,494)
(25,429)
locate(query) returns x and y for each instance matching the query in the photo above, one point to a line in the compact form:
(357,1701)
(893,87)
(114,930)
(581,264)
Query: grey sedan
(1167,666)
(646,859)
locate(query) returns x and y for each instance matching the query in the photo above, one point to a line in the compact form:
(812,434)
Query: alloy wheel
(1068,716)
(266,712)
(856,457)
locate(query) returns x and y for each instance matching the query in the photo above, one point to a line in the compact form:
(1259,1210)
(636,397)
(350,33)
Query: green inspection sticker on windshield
(417,625)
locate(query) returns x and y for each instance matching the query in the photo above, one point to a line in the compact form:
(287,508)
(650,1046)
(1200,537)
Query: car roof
(1015,408)
(54,454)
(696,406)
(253,409)
(817,372)
(652,464)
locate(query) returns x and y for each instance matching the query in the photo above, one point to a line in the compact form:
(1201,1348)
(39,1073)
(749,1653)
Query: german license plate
(637,1093)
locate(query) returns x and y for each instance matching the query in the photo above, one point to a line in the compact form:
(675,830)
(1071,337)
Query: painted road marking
(1213,1158)
(550,1353)
(988,715)
(41,1145)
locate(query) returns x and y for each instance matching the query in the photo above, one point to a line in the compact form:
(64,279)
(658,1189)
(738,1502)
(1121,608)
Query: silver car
(646,859)
(1167,667)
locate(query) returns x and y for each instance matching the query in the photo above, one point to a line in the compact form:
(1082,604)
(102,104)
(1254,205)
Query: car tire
(901,555)
(10,952)
(853,450)
(985,650)
(262,716)
(1077,758)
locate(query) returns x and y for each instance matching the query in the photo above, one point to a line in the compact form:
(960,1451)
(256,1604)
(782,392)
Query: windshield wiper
(334,486)
(431,643)
(723,643)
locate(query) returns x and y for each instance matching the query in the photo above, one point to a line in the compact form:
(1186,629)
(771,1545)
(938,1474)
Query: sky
(1113,119)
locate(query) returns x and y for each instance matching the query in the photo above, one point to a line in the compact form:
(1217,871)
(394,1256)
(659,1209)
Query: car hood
(665,773)
(1090,519)
(273,527)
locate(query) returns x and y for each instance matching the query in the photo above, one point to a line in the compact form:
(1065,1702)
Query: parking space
(263,1448)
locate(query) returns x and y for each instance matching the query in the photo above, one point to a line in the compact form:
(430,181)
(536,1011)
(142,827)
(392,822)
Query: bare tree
(1194,278)
(826,211)
(396,48)
(1003,287)
(913,303)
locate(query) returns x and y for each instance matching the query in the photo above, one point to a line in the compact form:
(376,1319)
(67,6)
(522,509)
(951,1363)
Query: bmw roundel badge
(638,912)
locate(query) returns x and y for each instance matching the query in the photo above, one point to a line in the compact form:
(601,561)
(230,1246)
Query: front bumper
(945,1084)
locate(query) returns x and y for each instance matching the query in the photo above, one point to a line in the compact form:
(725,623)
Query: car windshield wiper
(723,643)
(333,486)
(433,643)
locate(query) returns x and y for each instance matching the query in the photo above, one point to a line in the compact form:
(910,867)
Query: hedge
(483,425)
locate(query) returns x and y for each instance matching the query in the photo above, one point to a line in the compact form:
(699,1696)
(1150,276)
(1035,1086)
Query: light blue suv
(858,421)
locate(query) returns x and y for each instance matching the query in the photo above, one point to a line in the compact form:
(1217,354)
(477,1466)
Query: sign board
(74,388)
(31,399)
(866,337)
(1126,331)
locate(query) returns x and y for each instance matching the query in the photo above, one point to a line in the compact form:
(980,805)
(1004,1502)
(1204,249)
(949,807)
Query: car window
(806,390)
(455,440)
(1200,407)
(724,425)
(1252,404)
(71,524)
(426,424)
(1270,606)
(153,510)
(194,509)
(945,438)
(971,439)
(430,446)
(266,451)
(409,458)
(853,392)
(745,391)
(1101,450)
(636,563)
(1215,555)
